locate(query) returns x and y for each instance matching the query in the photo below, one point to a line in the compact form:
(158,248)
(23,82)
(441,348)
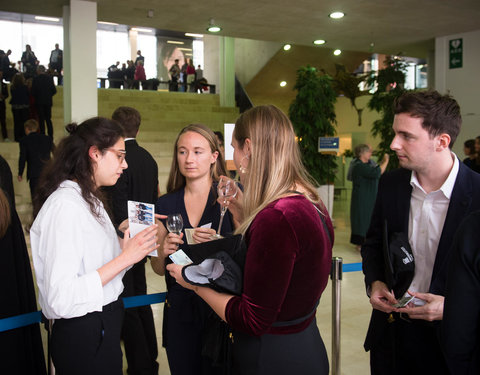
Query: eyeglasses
(120,154)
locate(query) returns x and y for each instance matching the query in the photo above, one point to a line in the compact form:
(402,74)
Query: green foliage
(347,84)
(313,115)
(390,82)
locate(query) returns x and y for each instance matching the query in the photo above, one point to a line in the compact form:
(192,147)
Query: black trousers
(45,116)
(89,344)
(408,347)
(19,117)
(301,353)
(138,330)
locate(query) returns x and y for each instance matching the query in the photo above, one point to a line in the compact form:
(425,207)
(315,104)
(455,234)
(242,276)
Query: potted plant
(313,115)
(390,85)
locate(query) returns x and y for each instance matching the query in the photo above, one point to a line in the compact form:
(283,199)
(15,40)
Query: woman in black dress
(191,191)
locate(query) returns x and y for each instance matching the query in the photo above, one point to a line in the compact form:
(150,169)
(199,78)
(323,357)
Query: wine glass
(175,223)
(227,188)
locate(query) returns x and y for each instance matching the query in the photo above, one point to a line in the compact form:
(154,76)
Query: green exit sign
(456,53)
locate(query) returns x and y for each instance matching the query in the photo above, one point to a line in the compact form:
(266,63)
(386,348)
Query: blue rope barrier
(135,301)
(352,267)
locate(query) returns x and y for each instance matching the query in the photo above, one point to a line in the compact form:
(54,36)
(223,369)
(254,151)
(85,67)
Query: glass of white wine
(175,223)
(227,188)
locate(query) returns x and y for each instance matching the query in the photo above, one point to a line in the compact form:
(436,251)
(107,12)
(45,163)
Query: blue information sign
(328,144)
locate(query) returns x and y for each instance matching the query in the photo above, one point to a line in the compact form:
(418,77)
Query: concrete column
(132,38)
(80,61)
(227,71)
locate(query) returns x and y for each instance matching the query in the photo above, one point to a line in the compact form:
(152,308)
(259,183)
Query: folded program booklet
(140,216)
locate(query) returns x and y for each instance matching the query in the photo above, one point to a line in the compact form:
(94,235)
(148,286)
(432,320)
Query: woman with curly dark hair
(79,260)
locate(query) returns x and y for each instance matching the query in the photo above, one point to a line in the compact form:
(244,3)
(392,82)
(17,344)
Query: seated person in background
(469,150)
(35,149)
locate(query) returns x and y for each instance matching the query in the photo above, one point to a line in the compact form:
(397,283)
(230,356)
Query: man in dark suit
(56,63)
(139,182)
(35,149)
(425,200)
(43,90)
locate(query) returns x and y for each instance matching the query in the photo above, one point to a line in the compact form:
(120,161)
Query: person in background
(191,76)
(3,107)
(139,58)
(56,63)
(198,73)
(29,62)
(196,168)
(139,182)
(43,90)
(20,103)
(78,258)
(174,76)
(424,201)
(21,348)
(476,162)
(365,176)
(169,54)
(139,76)
(35,150)
(287,264)
(220,140)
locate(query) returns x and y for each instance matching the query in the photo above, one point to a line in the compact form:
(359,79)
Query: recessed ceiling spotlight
(336,15)
(286,47)
(212,27)
(337,52)
(283,83)
(51,19)
(319,42)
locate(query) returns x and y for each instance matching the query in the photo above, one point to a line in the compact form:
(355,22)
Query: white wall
(462,83)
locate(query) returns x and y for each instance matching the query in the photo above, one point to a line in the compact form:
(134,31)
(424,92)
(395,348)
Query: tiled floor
(355,308)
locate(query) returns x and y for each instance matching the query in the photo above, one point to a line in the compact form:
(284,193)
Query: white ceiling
(380,26)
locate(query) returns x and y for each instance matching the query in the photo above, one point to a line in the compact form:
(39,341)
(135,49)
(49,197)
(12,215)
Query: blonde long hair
(275,165)
(175,179)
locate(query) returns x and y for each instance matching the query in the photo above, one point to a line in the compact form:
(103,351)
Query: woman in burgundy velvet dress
(289,237)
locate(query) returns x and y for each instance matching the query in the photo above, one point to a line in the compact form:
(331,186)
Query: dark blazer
(35,150)
(393,205)
(461,317)
(139,182)
(43,89)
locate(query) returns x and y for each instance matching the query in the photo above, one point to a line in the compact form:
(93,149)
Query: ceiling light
(107,23)
(184,49)
(174,42)
(212,27)
(337,52)
(319,42)
(51,19)
(141,30)
(194,35)
(286,47)
(283,83)
(336,15)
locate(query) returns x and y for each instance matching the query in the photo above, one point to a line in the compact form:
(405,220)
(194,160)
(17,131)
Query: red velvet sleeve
(284,271)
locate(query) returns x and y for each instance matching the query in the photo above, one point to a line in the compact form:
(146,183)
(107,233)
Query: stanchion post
(336,277)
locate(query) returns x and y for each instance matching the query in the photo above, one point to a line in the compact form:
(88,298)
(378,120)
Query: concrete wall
(462,83)
(251,56)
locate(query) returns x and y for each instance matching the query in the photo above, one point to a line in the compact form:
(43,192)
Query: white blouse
(68,245)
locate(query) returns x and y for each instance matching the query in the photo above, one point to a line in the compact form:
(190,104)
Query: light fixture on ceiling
(150,13)
(174,42)
(337,52)
(51,19)
(319,42)
(184,49)
(283,83)
(212,27)
(141,30)
(194,35)
(336,15)
(107,23)
(286,47)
